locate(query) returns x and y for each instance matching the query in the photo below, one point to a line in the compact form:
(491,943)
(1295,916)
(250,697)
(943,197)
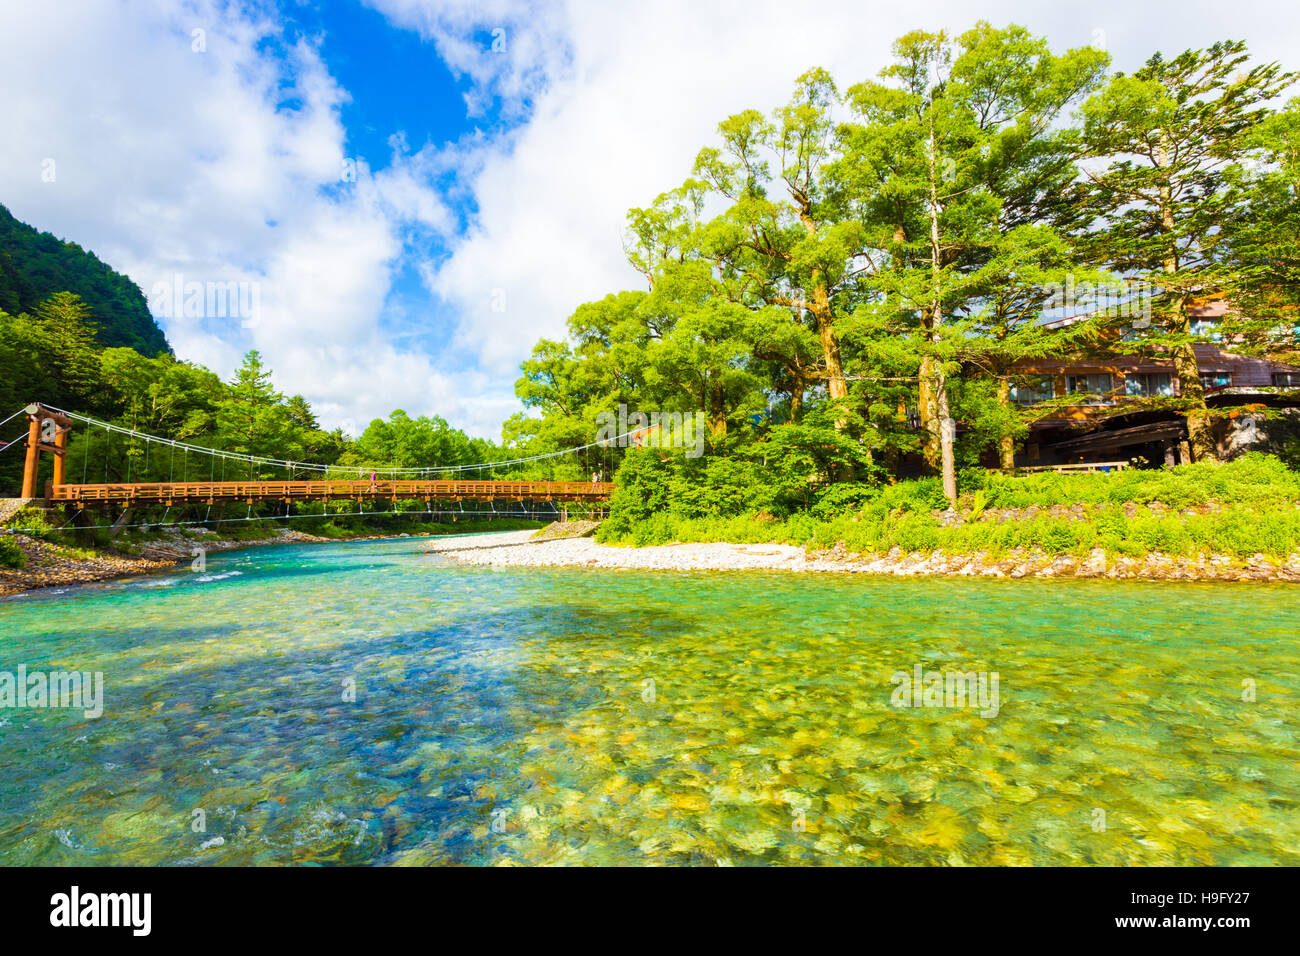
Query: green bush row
(1254,478)
(1240,531)
(651,485)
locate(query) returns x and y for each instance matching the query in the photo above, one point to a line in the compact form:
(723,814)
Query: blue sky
(393,80)
(399,91)
(415,191)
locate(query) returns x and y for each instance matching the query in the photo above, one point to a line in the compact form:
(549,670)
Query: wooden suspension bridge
(251,492)
(48,431)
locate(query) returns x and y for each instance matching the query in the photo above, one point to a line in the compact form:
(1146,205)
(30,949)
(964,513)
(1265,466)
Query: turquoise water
(579,716)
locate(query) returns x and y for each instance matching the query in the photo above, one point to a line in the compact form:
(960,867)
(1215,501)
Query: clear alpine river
(365,702)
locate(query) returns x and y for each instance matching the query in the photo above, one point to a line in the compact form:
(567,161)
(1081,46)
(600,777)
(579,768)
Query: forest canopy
(855,286)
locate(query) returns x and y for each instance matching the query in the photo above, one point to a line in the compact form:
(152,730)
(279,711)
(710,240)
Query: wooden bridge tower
(48,431)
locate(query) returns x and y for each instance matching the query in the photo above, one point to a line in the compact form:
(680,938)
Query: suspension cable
(316,467)
(17,441)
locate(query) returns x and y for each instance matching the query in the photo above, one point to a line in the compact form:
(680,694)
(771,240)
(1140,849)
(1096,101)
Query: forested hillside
(34,265)
(53,351)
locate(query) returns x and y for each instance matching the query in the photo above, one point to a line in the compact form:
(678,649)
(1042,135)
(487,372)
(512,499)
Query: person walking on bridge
(373,486)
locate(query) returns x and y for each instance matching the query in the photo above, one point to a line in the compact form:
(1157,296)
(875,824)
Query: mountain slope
(35,265)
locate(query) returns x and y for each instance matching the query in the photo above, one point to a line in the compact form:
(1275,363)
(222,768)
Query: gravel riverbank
(50,565)
(521,549)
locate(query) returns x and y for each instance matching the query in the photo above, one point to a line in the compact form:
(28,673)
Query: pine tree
(251,418)
(1167,137)
(67,322)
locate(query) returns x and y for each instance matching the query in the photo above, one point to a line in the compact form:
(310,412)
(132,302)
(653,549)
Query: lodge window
(1287,379)
(1096,387)
(1032,391)
(1216,379)
(1148,384)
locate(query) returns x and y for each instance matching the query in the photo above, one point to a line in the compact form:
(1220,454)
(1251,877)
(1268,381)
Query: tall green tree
(71,331)
(951,154)
(252,416)
(784,247)
(1155,199)
(570,383)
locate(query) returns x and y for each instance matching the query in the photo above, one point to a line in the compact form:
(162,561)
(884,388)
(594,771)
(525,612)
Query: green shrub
(843,498)
(922,495)
(917,533)
(32,521)
(11,556)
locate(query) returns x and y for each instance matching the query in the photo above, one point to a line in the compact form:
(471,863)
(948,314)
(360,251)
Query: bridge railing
(324,490)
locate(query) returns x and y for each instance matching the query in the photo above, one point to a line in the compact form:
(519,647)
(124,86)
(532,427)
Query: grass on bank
(1257,496)
(1254,479)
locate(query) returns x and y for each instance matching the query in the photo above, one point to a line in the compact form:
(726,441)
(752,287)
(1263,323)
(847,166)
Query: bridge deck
(216,492)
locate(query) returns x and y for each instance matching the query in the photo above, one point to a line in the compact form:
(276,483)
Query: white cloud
(637,89)
(511,51)
(223,164)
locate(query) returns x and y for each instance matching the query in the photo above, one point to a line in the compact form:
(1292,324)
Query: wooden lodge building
(1113,418)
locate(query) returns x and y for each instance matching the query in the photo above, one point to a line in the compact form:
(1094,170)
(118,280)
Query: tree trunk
(1184,356)
(717,414)
(926,410)
(1191,389)
(835,382)
(946,426)
(947,434)
(1007,440)
(824,316)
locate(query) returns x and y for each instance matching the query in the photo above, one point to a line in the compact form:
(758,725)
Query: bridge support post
(82,528)
(60,455)
(37,416)
(33,457)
